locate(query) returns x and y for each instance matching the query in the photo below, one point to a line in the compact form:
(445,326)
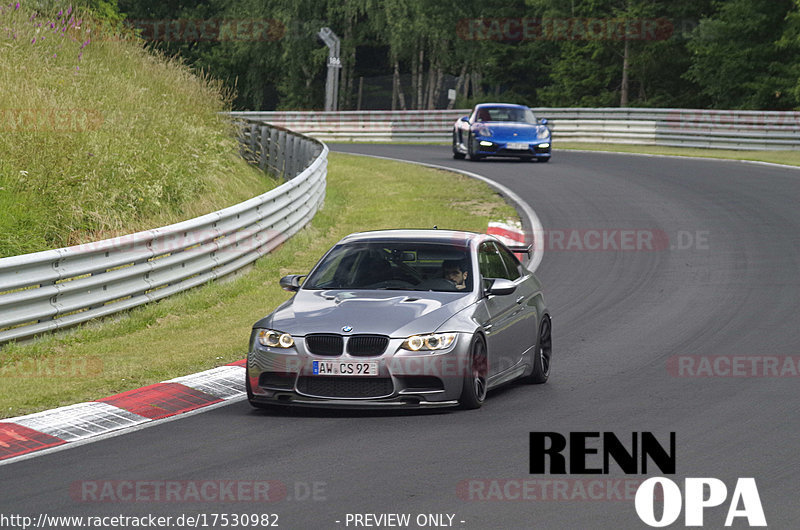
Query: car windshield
(394,265)
(509,114)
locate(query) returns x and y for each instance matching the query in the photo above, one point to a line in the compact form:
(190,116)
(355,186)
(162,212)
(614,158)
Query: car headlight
(274,339)
(434,341)
(544,133)
(482,130)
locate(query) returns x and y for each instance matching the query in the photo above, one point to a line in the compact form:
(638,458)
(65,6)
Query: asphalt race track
(713,273)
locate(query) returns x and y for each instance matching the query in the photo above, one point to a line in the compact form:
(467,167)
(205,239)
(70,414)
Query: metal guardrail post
(264,158)
(273,150)
(296,150)
(281,163)
(290,159)
(254,142)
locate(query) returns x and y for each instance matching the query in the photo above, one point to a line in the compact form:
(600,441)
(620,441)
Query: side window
(511,262)
(490,262)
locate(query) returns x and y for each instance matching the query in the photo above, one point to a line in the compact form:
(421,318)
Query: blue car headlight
(482,130)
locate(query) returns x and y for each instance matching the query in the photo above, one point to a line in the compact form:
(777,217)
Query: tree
(736,57)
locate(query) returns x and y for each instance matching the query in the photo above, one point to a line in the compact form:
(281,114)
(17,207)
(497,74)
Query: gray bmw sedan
(403,319)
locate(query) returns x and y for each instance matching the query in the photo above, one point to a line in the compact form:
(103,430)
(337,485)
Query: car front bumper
(404,380)
(536,149)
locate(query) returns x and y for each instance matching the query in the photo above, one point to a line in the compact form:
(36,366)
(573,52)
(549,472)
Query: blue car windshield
(508,114)
(394,265)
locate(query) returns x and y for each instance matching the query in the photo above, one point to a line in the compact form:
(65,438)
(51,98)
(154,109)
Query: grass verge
(790,158)
(100,136)
(209,326)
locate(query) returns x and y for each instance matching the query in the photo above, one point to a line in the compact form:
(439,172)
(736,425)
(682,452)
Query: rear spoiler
(521,249)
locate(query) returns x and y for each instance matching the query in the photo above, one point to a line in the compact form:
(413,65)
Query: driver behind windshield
(454,271)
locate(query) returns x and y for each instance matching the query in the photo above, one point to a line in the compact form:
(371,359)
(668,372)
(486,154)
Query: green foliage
(680,53)
(100,137)
(736,59)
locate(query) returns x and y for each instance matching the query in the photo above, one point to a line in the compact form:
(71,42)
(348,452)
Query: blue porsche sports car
(501,129)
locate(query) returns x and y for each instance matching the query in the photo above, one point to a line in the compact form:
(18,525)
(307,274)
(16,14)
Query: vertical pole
(264,159)
(334,64)
(253,142)
(273,151)
(281,163)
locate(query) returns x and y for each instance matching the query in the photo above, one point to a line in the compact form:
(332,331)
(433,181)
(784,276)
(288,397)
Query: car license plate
(517,145)
(344,368)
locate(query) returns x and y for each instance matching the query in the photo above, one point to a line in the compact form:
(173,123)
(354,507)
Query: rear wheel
(475,379)
(543,353)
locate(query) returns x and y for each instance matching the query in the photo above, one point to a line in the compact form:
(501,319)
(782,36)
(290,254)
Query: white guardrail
(54,289)
(722,129)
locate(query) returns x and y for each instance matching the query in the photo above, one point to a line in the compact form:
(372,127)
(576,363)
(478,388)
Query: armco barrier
(54,289)
(722,129)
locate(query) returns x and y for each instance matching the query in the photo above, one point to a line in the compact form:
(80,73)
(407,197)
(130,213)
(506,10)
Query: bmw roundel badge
(347,329)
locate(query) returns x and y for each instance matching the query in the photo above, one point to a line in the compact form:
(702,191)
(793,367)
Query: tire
(456,153)
(543,353)
(471,148)
(543,160)
(473,393)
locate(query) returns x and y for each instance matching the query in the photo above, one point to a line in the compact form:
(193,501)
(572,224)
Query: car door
(504,311)
(526,317)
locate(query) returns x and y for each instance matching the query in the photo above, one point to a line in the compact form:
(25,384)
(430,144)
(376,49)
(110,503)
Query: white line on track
(714,159)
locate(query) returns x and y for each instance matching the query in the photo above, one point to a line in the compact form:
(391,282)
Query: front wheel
(458,155)
(476,377)
(542,353)
(472,149)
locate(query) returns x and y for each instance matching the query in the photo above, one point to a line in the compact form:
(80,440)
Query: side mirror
(501,287)
(464,119)
(543,121)
(291,282)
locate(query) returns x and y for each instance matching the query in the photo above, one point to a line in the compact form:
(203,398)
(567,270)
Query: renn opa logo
(549,454)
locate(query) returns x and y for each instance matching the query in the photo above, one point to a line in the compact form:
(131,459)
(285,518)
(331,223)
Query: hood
(504,132)
(392,313)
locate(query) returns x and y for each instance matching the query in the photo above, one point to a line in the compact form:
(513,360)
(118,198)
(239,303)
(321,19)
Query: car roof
(508,105)
(415,235)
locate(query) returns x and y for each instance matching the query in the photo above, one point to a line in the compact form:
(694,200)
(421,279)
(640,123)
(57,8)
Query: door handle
(520,299)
